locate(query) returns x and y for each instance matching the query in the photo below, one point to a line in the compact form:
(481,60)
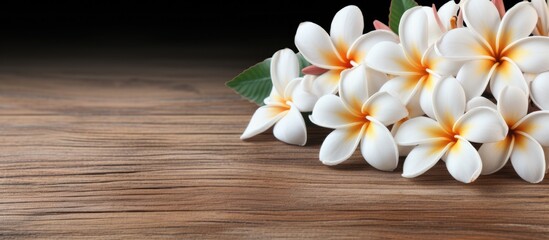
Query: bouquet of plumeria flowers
(466,83)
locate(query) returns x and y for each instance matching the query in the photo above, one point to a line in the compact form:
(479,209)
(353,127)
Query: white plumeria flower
(523,144)
(414,63)
(498,51)
(344,48)
(359,115)
(449,136)
(282,108)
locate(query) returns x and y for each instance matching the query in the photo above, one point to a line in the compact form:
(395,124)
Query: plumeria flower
(450,135)
(498,51)
(282,108)
(414,63)
(359,115)
(523,144)
(344,48)
(540,83)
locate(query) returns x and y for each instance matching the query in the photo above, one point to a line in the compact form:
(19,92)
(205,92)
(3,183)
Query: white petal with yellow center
(423,158)
(518,23)
(483,18)
(420,130)
(389,57)
(495,155)
(330,112)
(528,158)
(506,74)
(463,161)
(291,128)
(475,75)
(378,147)
(385,108)
(340,144)
(536,124)
(361,47)
(413,32)
(530,54)
(346,27)
(481,125)
(449,102)
(317,47)
(263,118)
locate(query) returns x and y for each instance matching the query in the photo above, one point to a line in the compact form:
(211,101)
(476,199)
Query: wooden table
(124,147)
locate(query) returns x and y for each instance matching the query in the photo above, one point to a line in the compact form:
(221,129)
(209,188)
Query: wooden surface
(123,148)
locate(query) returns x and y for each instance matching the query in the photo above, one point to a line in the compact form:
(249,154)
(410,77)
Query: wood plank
(152,150)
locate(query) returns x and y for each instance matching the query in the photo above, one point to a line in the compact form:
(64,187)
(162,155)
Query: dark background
(81,27)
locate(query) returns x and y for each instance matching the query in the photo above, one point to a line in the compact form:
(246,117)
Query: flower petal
(284,68)
(480,102)
(535,125)
(328,82)
(378,147)
(463,161)
(448,102)
(405,87)
(512,104)
(426,94)
(385,108)
(517,23)
(302,97)
(353,88)
(507,74)
(347,26)
(413,32)
(528,158)
(530,54)
(539,89)
(435,30)
(389,57)
(440,65)
(291,128)
(340,144)
(263,118)
(495,155)
(481,125)
(420,130)
(361,47)
(414,106)
(424,157)
(330,112)
(546,153)
(474,76)
(463,44)
(543,14)
(483,18)
(403,151)
(317,47)
(375,80)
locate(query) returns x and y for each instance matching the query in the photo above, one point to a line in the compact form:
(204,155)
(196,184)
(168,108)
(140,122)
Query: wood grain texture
(125,149)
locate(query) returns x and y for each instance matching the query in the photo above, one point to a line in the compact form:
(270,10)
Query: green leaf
(302,63)
(398,7)
(254,83)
